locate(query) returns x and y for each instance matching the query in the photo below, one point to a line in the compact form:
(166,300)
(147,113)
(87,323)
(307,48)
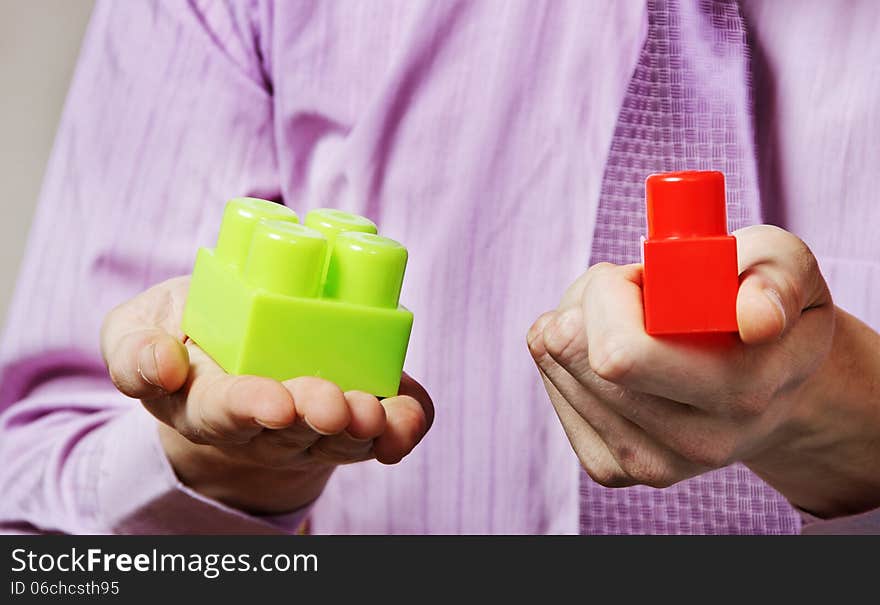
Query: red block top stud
(686,204)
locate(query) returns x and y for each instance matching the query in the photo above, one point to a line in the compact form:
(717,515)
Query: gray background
(39,42)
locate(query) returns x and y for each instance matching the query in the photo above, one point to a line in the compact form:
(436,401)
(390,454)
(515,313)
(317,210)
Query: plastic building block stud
(280,299)
(690,276)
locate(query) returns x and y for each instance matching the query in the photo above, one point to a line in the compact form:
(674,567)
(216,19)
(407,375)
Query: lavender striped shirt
(477,133)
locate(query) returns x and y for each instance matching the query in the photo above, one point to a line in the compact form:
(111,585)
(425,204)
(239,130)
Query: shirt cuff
(138,492)
(863,523)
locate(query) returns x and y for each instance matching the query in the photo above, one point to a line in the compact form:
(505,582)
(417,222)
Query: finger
(298,436)
(146,363)
(141,341)
(320,403)
(702,439)
(367,415)
(696,436)
(715,372)
(641,457)
(592,452)
(691,370)
(367,421)
(409,386)
(692,433)
(235,408)
(288,446)
(406,423)
(216,408)
(230,404)
(572,297)
(574,294)
(613,317)
(779,279)
(342,449)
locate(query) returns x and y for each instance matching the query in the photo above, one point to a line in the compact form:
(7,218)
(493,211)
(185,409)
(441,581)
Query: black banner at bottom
(406,569)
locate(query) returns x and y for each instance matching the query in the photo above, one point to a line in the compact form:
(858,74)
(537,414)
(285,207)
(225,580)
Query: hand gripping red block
(690,271)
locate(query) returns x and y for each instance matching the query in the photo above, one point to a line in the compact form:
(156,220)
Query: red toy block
(690,278)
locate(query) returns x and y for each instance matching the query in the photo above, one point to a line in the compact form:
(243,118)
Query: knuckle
(600,268)
(575,292)
(564,349)
(537,347)
(597,273)
(605,475)
(644,470)
(563,341)
(602,471)
(536,351)
(611,359)
(535,333)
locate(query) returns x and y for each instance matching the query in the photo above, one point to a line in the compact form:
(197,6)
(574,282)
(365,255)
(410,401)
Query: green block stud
(279,299)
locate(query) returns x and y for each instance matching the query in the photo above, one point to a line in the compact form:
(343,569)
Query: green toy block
(279,299)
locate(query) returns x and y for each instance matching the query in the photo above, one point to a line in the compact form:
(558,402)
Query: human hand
(254,443)
(788,395)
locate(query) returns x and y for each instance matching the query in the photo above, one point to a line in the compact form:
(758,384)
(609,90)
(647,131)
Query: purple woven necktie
(686,107)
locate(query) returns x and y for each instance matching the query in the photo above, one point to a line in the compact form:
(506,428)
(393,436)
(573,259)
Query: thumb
(779,280)
(145,361)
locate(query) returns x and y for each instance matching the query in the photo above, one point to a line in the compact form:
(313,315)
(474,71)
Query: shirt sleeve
(863,523)
(169,114)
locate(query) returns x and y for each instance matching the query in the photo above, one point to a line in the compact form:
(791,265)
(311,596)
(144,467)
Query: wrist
(823,457)
(243,485)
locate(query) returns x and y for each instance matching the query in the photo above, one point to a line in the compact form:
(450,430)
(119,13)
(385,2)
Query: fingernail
(148,369)
(774,297)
